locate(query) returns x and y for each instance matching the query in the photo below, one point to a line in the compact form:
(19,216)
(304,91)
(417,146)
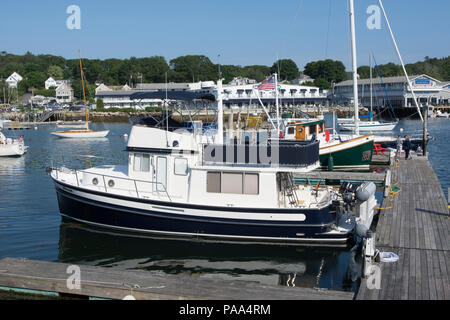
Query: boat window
(145,165)
(251,183)
(161,173)
(321,127)
(291,130)
(137,161)
(181,166)
(231,183)
(213,182)
(141,162)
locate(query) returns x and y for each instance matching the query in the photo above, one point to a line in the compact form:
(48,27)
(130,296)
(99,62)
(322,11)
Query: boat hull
(80,134)
(368,127)
(12,150)
(355,153)
(175,219)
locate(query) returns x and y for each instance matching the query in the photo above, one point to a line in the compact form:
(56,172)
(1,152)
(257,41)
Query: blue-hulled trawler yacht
(191,184)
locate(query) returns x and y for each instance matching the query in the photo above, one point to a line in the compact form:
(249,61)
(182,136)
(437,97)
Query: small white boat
(11,147)
(368,126)
(86,133)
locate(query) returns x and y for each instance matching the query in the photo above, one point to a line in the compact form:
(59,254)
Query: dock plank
(116,284)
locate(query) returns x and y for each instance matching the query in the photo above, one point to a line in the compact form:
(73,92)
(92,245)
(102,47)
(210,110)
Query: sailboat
(371,125)
(86,132)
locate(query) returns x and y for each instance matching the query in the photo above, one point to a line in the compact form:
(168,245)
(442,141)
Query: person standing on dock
(407,147)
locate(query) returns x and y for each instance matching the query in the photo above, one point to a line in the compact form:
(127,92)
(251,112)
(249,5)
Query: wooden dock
(47,279)
(416,228)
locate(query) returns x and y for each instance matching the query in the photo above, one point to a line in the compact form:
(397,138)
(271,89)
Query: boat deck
(415,227)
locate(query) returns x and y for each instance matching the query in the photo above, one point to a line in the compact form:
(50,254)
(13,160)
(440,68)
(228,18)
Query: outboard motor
(347,191)
(363,198)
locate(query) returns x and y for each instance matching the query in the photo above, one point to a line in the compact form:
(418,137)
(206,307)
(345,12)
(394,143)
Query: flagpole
(276,104)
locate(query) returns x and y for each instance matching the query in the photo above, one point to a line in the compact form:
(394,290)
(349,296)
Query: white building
(52,83)
(119,96)
(235,96)
(428,91)
(13,80)
(302,78)
(64,93)
(237,81)
(289,95)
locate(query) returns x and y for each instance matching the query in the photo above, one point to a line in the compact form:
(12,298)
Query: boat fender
(362,230)
(388,257)
(365,191)
(129,297)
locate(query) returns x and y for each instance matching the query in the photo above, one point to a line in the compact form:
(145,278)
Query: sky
(238,32)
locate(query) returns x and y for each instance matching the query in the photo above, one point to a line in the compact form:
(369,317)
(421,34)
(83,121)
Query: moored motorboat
(336,151)
(11,147)
(188,184)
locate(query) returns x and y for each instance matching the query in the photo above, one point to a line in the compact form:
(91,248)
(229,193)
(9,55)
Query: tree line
(35,69)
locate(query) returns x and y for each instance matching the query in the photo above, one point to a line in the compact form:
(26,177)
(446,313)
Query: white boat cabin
(306,130)
(171,166)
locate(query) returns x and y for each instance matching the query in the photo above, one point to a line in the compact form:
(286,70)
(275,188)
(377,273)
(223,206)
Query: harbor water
(31,226)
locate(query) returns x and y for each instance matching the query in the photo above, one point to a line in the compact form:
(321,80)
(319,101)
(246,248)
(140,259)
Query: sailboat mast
(354,64)
(371,87)
(276,104)
(82,84)
(401,61)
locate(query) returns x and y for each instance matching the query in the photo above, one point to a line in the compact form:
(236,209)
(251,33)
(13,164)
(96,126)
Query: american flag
(268,84)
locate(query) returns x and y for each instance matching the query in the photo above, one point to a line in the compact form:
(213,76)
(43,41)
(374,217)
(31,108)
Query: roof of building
(159,86)
(377,80)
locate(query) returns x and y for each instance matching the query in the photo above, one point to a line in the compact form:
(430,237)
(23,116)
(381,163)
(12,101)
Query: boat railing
(110,183)
(281,153)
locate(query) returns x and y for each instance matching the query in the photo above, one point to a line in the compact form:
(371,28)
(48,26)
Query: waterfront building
(302,78)
(13,80)
(429,91)
(289,96)
(64,93)
(52,83)
(244,95)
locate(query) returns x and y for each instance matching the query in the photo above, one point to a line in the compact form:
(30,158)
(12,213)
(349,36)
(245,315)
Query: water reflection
(272,265)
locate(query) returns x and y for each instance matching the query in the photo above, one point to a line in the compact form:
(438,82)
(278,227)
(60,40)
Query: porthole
(95,181)
(111,183)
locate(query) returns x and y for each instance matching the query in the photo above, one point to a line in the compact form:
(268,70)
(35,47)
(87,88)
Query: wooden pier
(415,226)
(49,280)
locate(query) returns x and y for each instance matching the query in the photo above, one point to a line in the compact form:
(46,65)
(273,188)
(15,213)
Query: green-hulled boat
(336,152)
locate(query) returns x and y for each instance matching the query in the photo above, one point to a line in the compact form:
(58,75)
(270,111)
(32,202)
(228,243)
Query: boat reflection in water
(312,267)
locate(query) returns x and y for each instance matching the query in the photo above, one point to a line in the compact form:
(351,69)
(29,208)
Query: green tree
(56,72)
(286,68)
(194,68)
(45,93)
(329,70)
(100,104)
(322,83)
